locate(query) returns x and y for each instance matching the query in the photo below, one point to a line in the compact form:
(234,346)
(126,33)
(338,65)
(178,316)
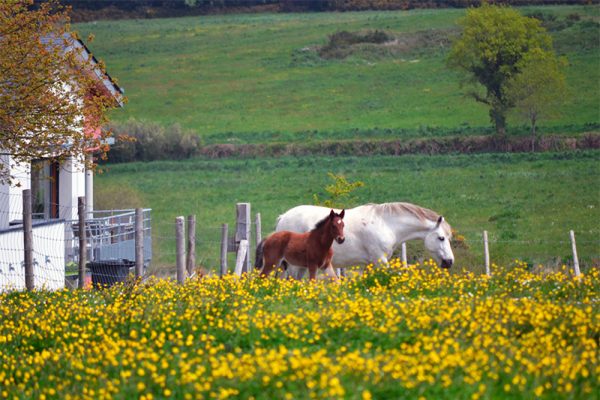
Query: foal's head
(334,225)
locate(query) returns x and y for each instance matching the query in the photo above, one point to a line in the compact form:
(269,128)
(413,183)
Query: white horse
(373,231)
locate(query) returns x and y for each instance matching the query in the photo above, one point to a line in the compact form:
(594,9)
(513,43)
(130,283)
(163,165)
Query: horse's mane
(422,213)
(320,223)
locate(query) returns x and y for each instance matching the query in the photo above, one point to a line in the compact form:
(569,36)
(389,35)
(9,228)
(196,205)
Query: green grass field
(257,78)
(255,73)
(527,202)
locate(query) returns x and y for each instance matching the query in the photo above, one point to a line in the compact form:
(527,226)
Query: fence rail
(110,235)
(36,255)
(215,244)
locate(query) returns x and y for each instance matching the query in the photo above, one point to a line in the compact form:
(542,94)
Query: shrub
(340,43)
(144,141)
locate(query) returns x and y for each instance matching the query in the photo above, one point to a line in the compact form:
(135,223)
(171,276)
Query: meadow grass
(240,74)
(527,202)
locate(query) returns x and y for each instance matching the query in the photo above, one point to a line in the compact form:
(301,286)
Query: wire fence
(550,249)
(50,245)
(111,247)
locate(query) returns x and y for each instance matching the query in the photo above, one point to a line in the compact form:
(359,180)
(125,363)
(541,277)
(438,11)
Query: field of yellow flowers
(405,332)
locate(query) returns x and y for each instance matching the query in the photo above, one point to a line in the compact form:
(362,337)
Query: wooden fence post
(404,258)
(180,248)
(575,258)
(258,229)
(486,253)
(242,229)
(224,240)
(139,242)
(191,244)
(82,241)
(241,258)
(28,240)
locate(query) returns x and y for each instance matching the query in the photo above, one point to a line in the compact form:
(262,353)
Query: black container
(108,272)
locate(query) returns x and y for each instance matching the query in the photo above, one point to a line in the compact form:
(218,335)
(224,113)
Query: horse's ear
(342,214)
(439,221)
(331,214)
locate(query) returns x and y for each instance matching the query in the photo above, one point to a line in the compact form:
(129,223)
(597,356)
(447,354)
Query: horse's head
(337,225)
(437,242)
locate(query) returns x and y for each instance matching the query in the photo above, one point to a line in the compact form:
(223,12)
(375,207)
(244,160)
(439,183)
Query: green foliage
(493,41)
(539,89)
(147,141)
(339,192)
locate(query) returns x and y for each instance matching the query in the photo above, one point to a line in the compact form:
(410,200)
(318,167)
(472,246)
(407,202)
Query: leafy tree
(493,41)
(50,94)
(339,192)
(539,89)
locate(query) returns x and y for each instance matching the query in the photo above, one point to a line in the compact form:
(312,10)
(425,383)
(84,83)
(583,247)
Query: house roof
(72,43)
(86,55)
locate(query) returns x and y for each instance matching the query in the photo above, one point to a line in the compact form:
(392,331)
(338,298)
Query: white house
(55,191)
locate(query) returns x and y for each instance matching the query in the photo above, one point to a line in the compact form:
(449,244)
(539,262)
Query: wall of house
(11,200)
(71,187)
(48,257)
(72,184)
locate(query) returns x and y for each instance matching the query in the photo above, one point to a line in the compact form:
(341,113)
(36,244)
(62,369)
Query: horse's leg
(280,271)
(269,263)
(312,272)
(383,261)
(266,269)
(295,272)
(258,257)
(331,272)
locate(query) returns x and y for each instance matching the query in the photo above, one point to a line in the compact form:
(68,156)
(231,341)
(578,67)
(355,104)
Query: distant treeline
(99,9)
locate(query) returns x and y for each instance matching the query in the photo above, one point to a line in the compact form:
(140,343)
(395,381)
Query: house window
(44,189)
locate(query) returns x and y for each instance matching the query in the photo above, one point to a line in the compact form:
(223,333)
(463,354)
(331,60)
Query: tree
(50,91)
(493,41)
(539,88)
(339,192)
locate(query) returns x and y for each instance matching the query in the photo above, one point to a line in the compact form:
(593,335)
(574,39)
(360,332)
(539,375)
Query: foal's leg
(312,272)
(295,272)
(269,264)
(266,270)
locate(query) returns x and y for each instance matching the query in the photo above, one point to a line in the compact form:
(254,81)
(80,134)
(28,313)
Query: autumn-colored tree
(51,92)
(539,89)
(493,41)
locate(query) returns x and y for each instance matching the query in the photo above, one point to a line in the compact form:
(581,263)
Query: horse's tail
(258,257)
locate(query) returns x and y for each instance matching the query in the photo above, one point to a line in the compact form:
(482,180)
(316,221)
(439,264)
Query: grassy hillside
(258,78)
(527,202)
(261,73)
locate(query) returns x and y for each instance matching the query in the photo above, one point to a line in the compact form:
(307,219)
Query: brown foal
(311,250)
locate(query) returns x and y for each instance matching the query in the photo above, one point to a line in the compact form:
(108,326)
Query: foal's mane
(320,223)
(424,214)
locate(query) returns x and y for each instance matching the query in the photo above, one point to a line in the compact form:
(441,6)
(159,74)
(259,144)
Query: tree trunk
(533,133)
(500,122)
(498,117)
